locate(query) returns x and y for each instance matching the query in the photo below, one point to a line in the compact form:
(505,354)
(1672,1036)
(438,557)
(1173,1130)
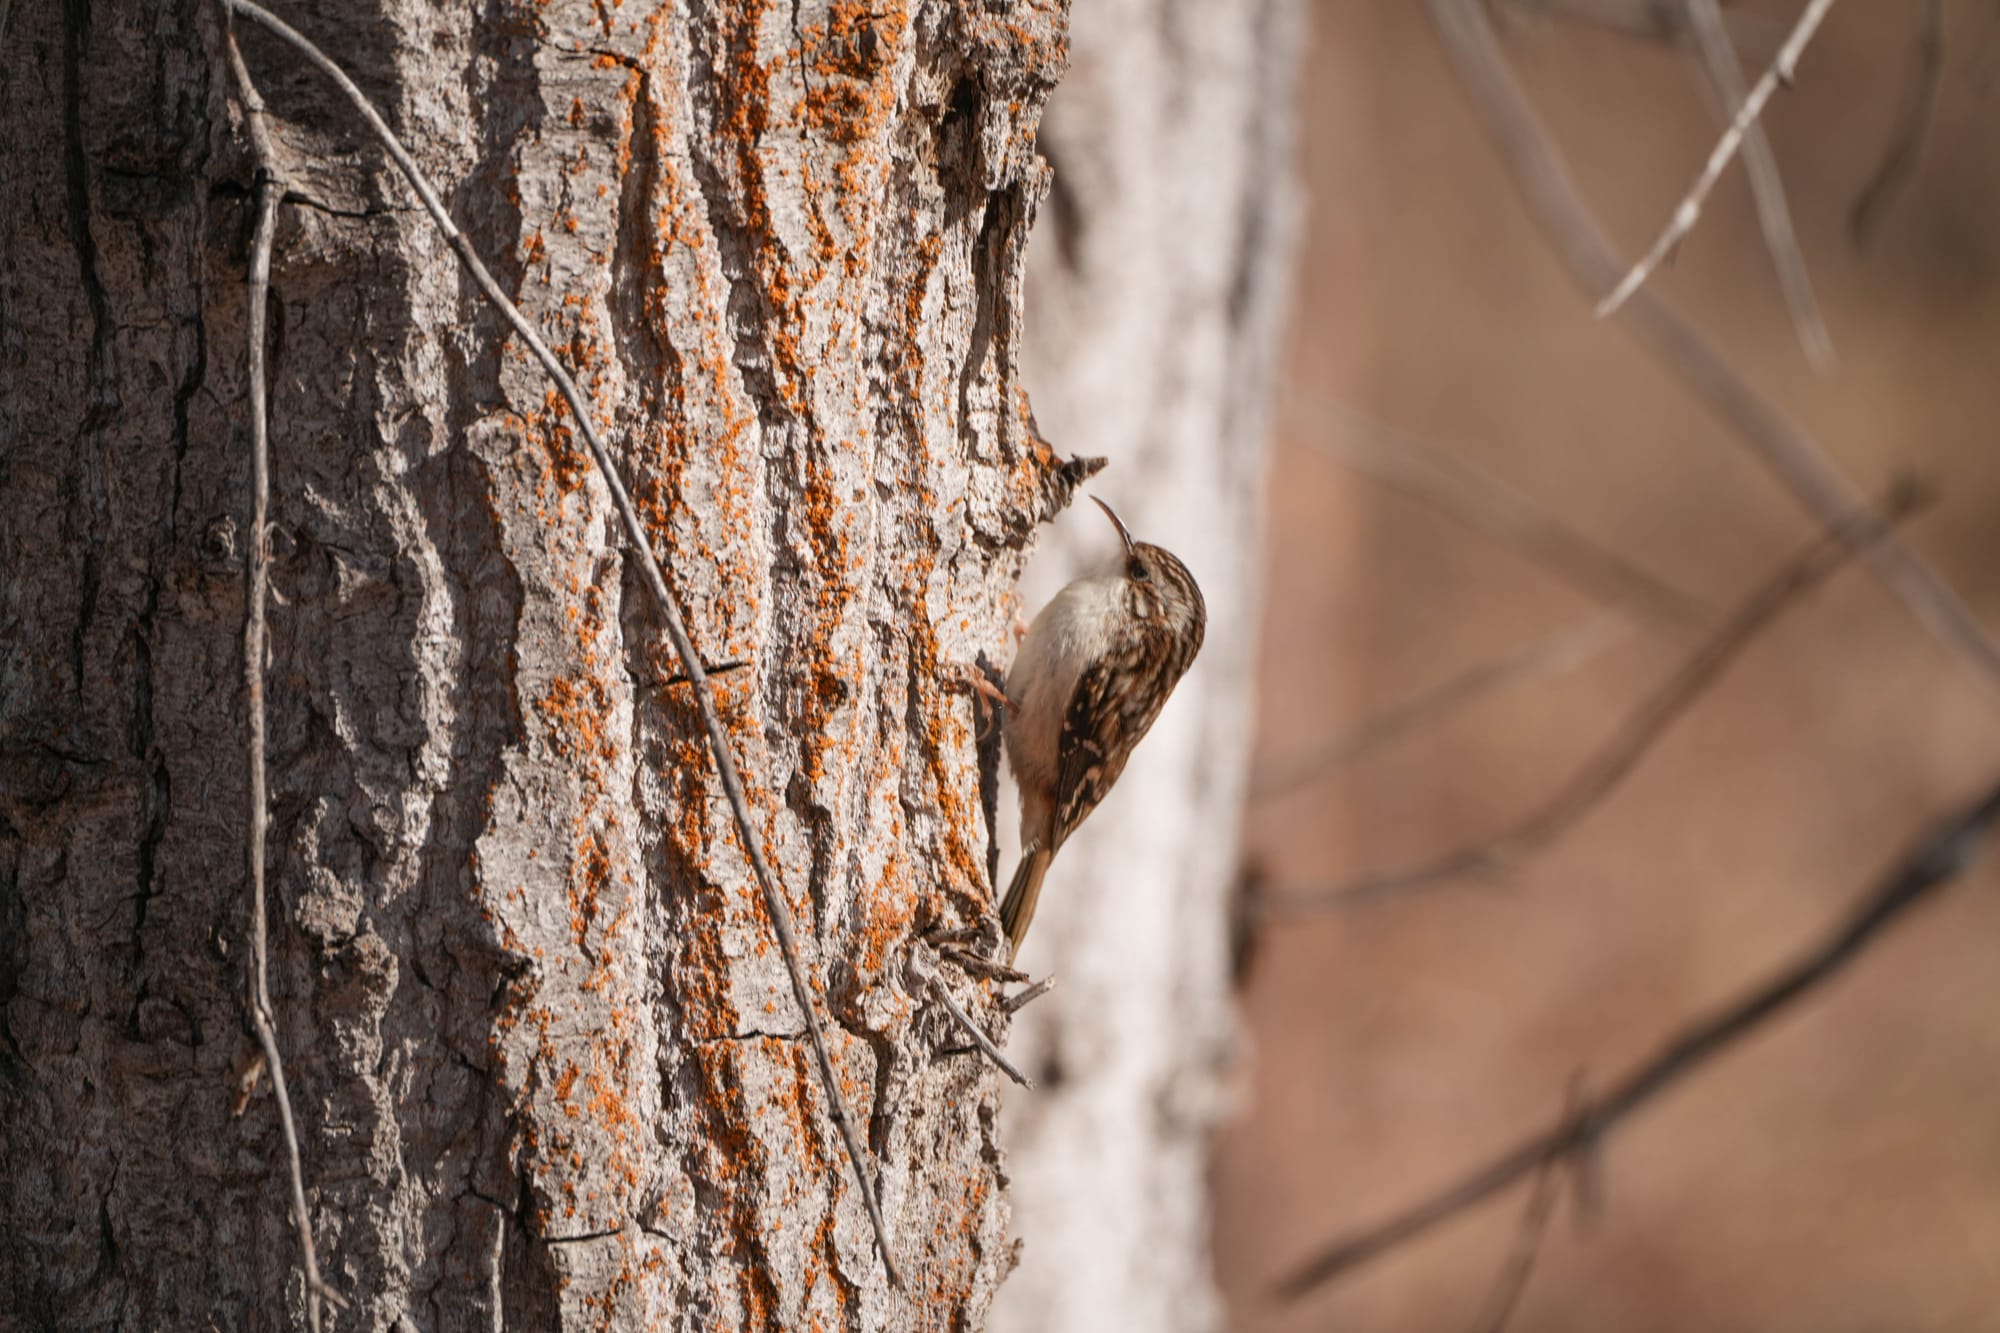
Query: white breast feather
(1071,632)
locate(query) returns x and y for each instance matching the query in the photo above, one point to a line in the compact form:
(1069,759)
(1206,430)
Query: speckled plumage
(1093,673)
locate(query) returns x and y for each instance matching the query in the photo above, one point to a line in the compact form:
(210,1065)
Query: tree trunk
(1156,300)
(547,1068)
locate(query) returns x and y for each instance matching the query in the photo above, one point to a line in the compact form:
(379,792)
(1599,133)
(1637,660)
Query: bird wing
(1108,712)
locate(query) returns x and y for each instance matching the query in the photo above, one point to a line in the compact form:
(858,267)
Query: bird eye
(1140,572)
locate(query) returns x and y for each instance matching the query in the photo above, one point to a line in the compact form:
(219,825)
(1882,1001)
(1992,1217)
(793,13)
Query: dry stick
(1611,762)
(1019,1000)
(1520,1266)
(1485,504)
(1579,242)
(1561,651)
(1488,506)
(270,193)
(979,1037)
(718,742)
(1684,217)
(1945,851)
(1913,121)
(1767,187)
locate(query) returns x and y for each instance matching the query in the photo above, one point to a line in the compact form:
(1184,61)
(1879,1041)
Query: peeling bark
(545,1060)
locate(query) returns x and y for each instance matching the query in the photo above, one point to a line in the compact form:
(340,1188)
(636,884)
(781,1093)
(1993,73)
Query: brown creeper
(1094,671)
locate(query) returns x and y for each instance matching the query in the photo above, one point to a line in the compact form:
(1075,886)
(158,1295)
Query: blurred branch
(1501,1302)
(1945,851)
(1615,759)
(1485,504)
(1553,654)
(1788,451)
(1688,213)
(1725,76)
(1650,20)
(1920,95)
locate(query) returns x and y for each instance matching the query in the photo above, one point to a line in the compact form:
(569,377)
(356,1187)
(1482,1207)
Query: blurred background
(1424,684)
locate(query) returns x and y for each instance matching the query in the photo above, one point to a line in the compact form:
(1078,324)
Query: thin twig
(1792,455)
(775,904)
(978,1035)
(1019,1000)
(1512,1281)
(1560,651)
(257,558)
(1946,850)
(1767,187)
(1689,212)
(1486,504)
(1606,767)
(1913,120)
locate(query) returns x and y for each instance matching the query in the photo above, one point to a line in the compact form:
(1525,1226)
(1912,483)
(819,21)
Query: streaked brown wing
(1101,727)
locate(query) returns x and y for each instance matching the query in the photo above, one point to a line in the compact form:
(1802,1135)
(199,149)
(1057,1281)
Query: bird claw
(972,948)
(941,937)
(979,965)
(988,699)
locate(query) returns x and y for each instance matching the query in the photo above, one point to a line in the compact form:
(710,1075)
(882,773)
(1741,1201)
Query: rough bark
(1156,300)
(546,1065)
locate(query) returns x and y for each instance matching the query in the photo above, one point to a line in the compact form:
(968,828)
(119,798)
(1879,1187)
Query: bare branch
(257,559)
(1913,122)
(1562,651)
(1651,20)
(1019,1000)
(1946,850)
(1513,1279)
(1792,455)
(1613,761)
(1767,187)
(1485,504)
(775,904)
(1689,212)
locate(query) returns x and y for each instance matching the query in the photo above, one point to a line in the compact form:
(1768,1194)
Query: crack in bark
(76,182)
(318,205)
(582,1237)
(752,1034)
(141,740)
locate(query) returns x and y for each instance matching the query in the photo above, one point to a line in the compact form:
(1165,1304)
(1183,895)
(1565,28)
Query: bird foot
(988,699)
(973,948)
(978,965)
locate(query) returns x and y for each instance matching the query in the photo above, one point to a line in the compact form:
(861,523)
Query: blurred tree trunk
(1157,291)
(547,1069)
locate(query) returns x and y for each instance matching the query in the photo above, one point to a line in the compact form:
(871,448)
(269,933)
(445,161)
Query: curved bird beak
(1123,534)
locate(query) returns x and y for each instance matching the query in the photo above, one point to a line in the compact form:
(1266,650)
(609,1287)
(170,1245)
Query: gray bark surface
(546,1065)
(1156,302)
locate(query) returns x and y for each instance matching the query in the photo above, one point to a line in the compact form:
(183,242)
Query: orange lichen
(696,424)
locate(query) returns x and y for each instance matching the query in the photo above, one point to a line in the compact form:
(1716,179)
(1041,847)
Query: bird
(1091,675)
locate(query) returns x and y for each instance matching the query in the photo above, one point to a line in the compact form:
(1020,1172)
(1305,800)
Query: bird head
(1157,583)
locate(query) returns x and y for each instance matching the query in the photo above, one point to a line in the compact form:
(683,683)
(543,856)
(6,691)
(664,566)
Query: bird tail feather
(1018,908)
